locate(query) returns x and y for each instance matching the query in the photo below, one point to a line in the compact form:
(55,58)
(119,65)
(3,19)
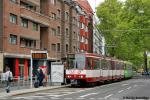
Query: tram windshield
(79,61)
(70,61)
(76,61)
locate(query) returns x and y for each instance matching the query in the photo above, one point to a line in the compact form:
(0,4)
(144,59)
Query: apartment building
(98,38)
(98,42)
(26,25)
(86,26)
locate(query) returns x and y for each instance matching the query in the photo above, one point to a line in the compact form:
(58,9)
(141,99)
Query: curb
(31,90)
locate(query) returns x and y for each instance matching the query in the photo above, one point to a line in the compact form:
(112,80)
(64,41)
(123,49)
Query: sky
(95,3)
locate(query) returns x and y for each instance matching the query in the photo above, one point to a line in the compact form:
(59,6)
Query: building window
(86,29)
(28,5)
(86,41)
(74,33)
(66,16)
(78,24)
(53,2)
(58,47)
(53,32)
(78,36)
(82,39)
(73,21)
(67,32)
(24,23)
(13,39)
(27,43)
(58,30)
(82,26)
(59,13)
(53,16)
(14,1)
(35,26)
(13,18)
(53,47)
(66,47)
(74,48)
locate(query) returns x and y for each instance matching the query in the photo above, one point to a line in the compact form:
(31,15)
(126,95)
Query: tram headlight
(81,76)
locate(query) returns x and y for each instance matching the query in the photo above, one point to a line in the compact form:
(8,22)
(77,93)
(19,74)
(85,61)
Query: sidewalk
(25,91)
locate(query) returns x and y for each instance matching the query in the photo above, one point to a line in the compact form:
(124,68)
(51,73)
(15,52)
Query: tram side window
(112,65)
(109,64)
(104,64)
(122,66)
(89,63)
(96,64)
(117,65)
(129,67)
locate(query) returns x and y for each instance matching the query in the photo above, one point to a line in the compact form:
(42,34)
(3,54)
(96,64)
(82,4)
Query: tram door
(21,70)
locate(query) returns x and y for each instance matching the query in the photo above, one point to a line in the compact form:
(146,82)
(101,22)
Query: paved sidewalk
(30,90)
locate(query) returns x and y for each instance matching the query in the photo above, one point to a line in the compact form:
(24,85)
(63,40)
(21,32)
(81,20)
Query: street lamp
(145,61)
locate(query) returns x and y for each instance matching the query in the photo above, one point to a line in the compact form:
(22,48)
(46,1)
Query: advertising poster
(57,72)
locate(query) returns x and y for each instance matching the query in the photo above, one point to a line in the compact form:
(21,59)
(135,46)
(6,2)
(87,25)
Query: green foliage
(127,26)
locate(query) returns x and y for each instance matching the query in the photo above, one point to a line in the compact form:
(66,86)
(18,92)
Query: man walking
(8,76)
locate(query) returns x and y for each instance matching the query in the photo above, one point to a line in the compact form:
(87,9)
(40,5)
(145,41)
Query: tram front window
(79,61)
(71,63)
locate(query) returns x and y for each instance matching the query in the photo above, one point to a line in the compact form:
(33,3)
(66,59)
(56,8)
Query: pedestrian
(8,78)
(41,77)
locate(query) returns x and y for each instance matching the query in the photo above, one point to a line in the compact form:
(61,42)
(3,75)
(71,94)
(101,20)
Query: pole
(145,61)
(31,64)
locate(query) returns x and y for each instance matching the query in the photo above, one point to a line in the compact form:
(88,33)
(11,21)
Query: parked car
(145,73)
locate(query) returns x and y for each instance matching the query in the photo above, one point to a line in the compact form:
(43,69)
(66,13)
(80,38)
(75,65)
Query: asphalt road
(134,89)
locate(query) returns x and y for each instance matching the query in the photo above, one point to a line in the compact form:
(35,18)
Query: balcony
(82,32)
(82,19)
(82,46)
(35,16)
(86,34)
(35,2)
(86,22)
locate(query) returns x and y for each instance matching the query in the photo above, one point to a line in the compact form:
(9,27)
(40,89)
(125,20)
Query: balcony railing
(35,2)
(35,16)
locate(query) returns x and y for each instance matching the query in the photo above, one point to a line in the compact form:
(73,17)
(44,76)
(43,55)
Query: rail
(23,82)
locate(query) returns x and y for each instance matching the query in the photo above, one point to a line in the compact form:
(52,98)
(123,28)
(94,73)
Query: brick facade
(25,25)
(86,30)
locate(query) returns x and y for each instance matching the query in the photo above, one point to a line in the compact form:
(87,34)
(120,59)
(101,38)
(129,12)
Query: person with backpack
(41,77)
(8,78)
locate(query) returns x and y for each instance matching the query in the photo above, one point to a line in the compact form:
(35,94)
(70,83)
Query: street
(132,89)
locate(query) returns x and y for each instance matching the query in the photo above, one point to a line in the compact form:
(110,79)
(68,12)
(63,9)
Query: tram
(86,68)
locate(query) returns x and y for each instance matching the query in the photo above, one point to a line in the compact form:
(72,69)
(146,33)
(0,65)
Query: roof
(84,4)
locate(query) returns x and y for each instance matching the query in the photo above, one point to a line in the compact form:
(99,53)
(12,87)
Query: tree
(125,27)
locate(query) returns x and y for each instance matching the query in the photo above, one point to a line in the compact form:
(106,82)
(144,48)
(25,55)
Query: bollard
(23,81)
(18,82)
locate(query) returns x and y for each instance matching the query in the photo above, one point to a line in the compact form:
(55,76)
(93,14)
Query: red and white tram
(86,68)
